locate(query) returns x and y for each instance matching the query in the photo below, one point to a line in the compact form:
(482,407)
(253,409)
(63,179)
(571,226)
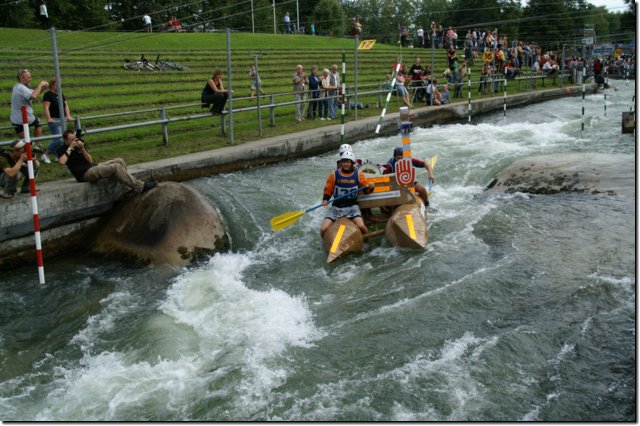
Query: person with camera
(22,95)
(13,164)
(299,80)
(73,154)
(53,116)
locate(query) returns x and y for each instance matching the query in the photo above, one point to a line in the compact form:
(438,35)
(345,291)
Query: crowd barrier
(494,85)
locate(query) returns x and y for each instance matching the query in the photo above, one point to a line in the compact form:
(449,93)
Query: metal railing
(493,82)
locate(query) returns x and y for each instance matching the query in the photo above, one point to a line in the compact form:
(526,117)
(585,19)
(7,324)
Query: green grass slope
(95,83)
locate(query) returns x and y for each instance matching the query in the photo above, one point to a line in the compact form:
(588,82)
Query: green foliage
(467,13)
(18,14)
(548,22)
(433,10)
(628,25)
(328,15)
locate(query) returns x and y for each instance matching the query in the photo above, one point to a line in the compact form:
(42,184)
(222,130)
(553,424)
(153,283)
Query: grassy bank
(95,83)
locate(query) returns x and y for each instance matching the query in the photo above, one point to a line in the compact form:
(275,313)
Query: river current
(522,307)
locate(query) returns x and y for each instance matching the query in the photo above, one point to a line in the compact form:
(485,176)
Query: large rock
(171,224)
(613,174)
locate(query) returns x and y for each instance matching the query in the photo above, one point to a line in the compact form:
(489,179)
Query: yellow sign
(487,56)
(366,44)
(617,53)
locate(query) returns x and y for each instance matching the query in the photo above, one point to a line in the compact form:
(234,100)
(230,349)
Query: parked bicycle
(201,25)
(144,65)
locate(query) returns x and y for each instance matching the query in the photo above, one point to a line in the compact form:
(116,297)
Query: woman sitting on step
(214,94)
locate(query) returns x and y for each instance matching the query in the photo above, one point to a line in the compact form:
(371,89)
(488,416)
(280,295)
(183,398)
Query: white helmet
(345,147)
(348,155)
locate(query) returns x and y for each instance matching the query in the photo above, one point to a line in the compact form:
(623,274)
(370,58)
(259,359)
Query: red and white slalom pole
(34,200)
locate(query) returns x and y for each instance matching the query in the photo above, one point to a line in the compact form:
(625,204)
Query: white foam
(240,333)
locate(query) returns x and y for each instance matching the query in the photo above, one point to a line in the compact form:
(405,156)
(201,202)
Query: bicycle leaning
(144,65)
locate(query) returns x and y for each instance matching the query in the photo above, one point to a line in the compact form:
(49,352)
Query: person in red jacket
(390,167)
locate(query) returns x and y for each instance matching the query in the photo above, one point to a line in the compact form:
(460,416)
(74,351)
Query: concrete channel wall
(70,212)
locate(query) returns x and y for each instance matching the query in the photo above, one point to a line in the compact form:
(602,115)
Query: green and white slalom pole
(393,84)
(584,76)
(605,91)
(469,95)
(504,97)
(344,98)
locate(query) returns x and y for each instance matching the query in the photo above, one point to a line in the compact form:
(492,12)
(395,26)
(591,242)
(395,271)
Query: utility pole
(253,27)
(56,64)
(229,86)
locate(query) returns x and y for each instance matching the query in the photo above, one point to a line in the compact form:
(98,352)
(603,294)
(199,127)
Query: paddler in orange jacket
(340,182)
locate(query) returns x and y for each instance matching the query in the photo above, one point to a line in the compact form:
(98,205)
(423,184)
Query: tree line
(545,22)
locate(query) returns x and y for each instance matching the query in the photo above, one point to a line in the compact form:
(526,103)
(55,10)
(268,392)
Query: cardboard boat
(397,209)
(341,238)
(407,226)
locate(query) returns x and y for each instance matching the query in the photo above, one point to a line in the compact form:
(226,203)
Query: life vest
(344,184)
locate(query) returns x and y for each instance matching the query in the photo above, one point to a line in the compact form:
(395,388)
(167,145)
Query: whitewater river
(521,307)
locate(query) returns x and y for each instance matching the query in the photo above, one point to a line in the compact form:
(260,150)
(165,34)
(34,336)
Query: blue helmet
(397,151)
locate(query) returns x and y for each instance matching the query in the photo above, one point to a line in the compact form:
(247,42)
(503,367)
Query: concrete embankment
(70,212)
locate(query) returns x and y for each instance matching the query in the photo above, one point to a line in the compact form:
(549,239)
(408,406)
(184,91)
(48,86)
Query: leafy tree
(18,14)
(628,21)
(432,10)
(599,19)
(467,14)
(547,23)
(327,16)
(79,15)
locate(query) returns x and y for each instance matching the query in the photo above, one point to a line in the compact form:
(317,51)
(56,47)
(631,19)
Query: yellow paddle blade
(433,161)
(284,220)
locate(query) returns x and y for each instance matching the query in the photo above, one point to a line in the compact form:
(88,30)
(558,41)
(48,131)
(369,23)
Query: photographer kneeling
(13,164)
(73,154)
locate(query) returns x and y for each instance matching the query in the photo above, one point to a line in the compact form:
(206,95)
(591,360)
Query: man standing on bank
(73,154)
(21,96)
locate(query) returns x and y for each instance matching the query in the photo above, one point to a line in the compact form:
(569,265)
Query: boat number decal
(412,230)
(336,240)
(405,173)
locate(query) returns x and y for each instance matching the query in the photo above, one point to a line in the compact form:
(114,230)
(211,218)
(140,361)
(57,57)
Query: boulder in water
(172,224)
(613,174)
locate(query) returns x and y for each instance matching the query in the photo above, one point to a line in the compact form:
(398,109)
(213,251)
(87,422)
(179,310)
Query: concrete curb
(69,211)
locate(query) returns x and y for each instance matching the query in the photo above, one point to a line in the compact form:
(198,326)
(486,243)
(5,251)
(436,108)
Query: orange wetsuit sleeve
(329,187)
(364,181)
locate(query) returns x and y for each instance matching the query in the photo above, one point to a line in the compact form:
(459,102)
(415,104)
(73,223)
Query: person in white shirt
(334,82)
(147,22)
(44,15)
(287,23)
(420,37)
(22,95)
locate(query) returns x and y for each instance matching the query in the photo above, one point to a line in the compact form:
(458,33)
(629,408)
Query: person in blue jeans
(334,82)
(314,93)
(323,111)
(52,114)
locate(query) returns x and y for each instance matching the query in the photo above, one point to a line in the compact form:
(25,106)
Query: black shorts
(19,128)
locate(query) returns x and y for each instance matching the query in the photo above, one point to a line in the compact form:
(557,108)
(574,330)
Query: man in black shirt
(73,154)
(416,71)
